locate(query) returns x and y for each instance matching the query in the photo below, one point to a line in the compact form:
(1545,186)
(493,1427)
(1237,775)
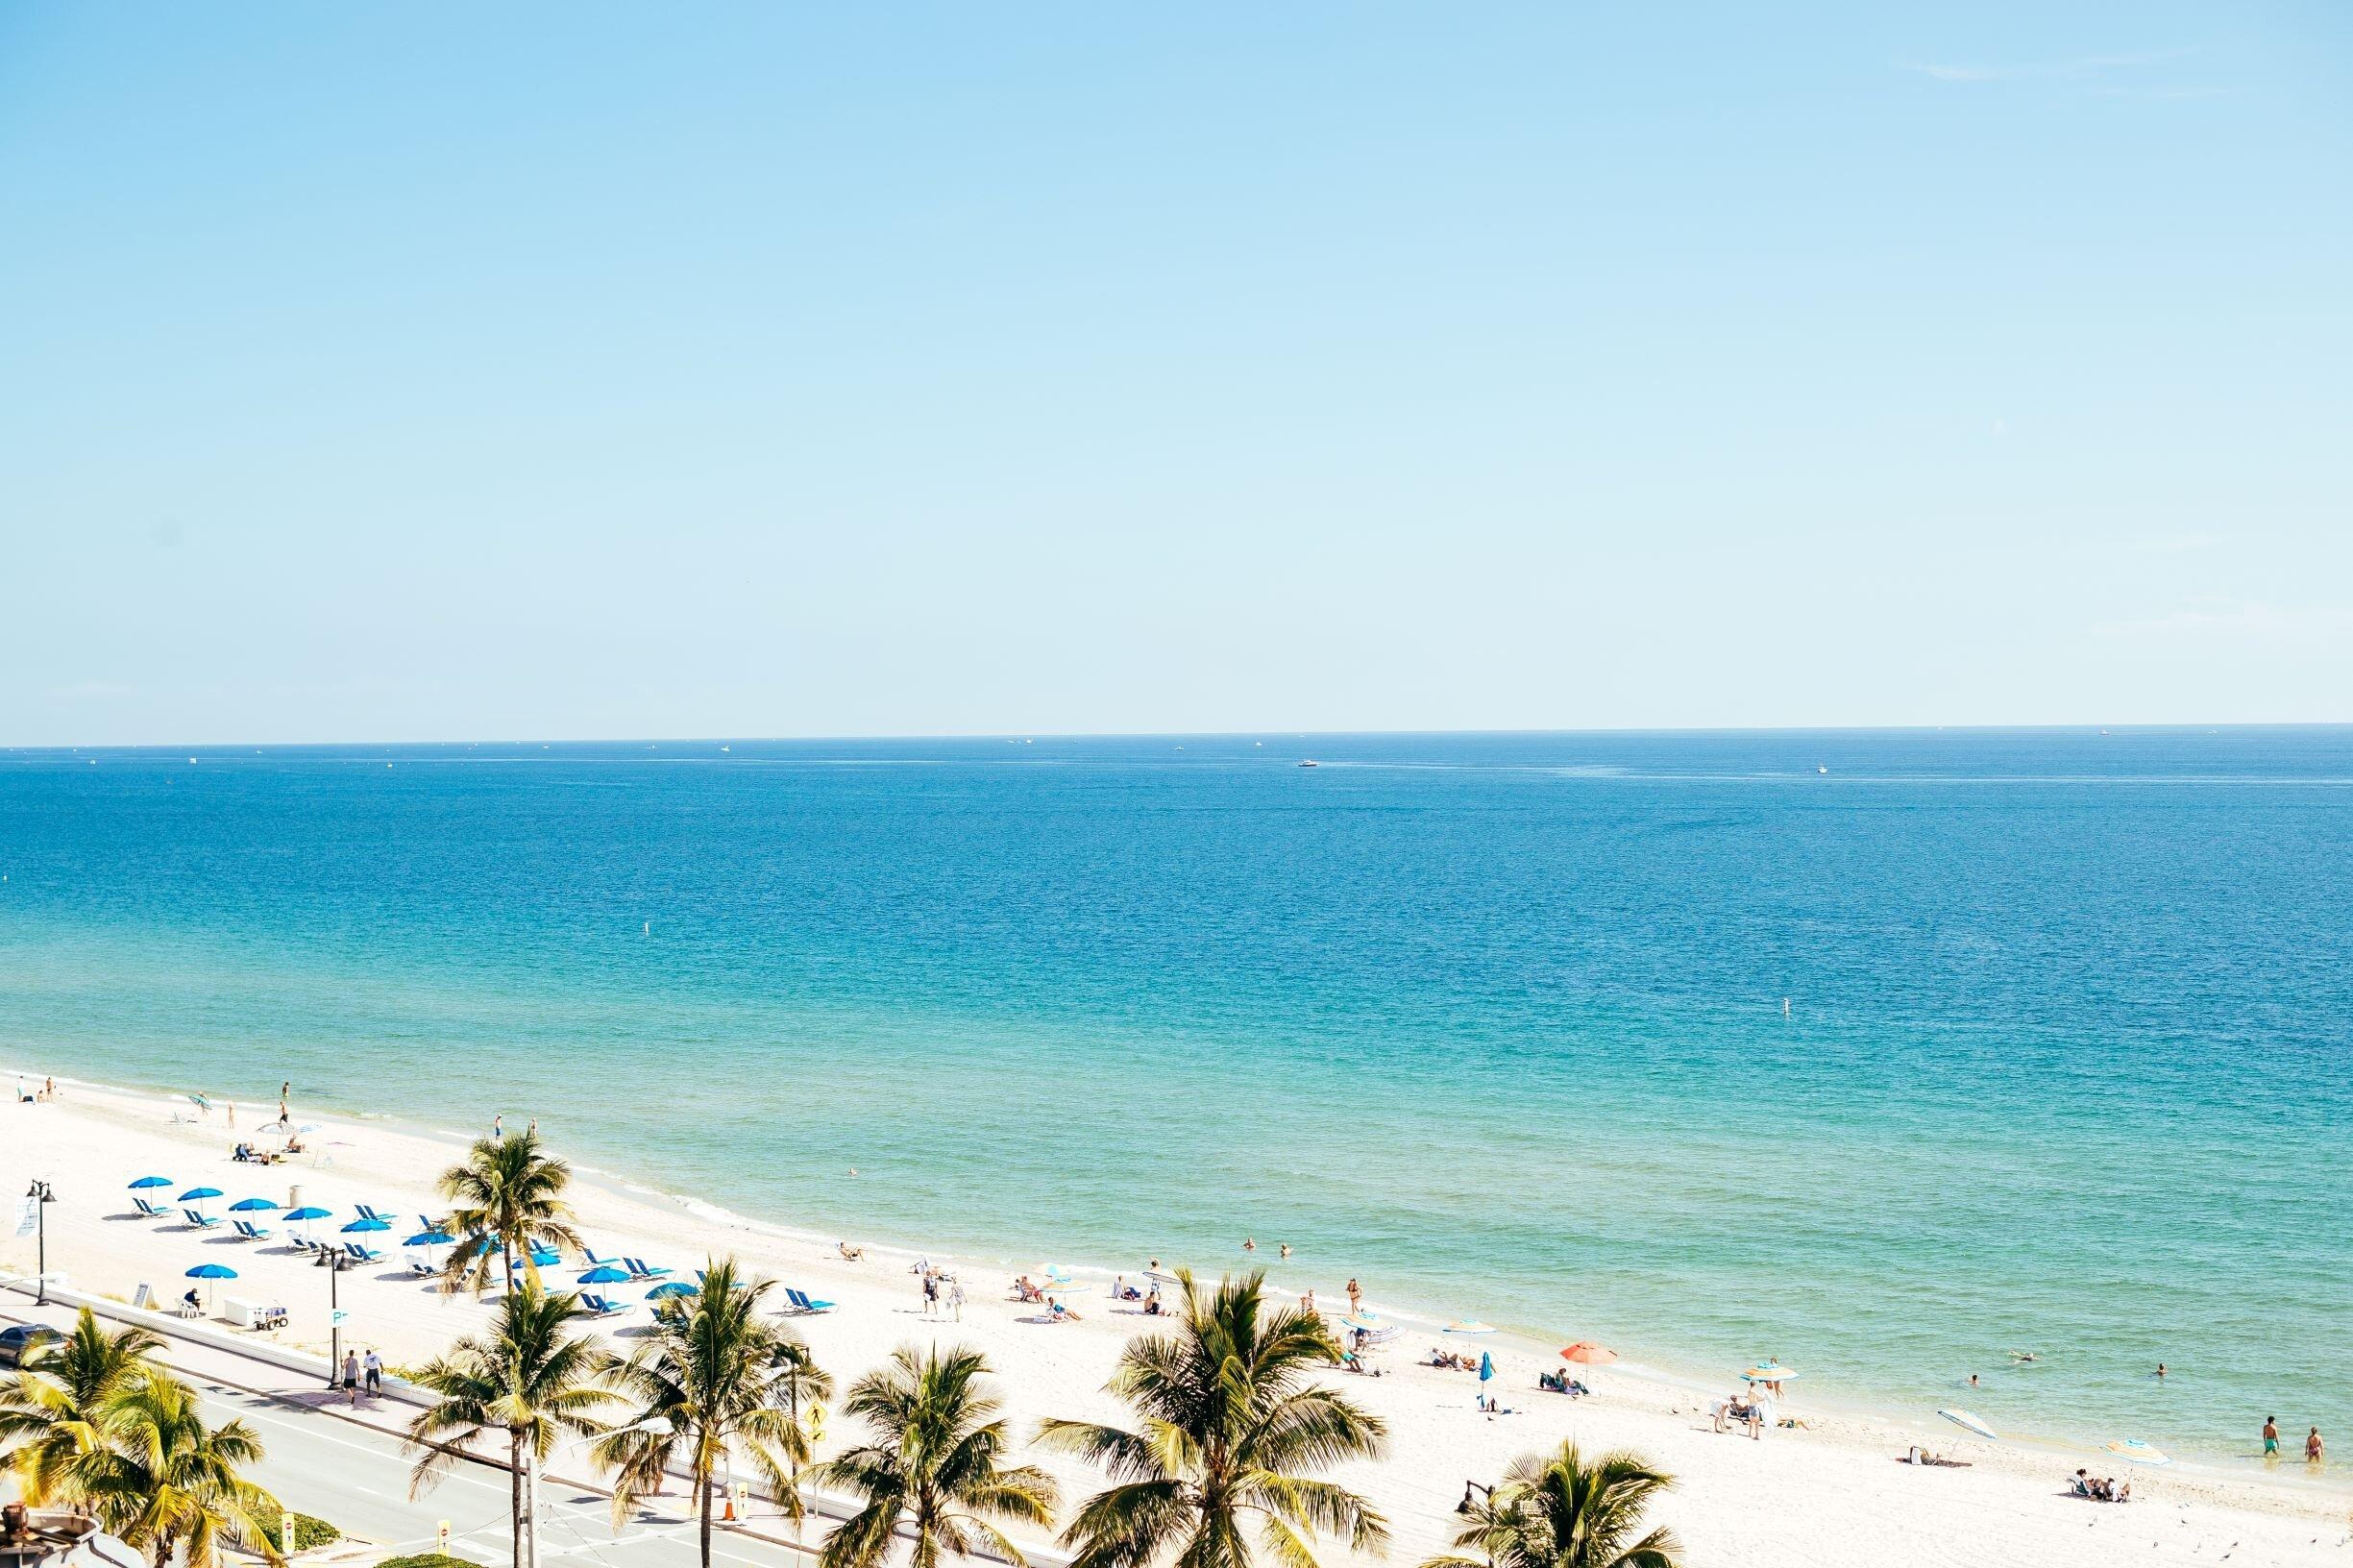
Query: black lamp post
(335,1318)
(42,1197)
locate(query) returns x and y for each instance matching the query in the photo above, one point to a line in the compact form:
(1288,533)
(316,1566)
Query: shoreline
(612,1199)
(1419,1320)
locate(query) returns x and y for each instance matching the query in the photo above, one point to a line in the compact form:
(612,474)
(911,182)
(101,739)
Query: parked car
(18,1339)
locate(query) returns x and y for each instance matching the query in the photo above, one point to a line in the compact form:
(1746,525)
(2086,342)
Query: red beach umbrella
(1588,1354)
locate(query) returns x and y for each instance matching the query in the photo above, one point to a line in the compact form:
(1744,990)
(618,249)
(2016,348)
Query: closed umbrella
(1487,1366)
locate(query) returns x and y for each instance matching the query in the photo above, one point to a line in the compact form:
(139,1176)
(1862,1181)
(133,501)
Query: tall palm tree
(937,1466)
(715,1382)
(52,1409)
(528,1378)
(508,1194)
(171,1485)
(1232,1431)
(1555,1510)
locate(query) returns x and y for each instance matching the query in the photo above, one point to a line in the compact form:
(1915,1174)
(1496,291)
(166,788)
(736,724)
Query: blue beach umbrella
(673,1287)
(197,1195)
(605,1274)
(208,1272)
(146,1181)
(310,1211)
(251,1206)
(430,1238)
(361,1225)
(1487,1366)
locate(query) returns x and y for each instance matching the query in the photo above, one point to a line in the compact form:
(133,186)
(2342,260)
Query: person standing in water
(2270,1436)
(2312,1446)
(498,1128)
(1356,1297)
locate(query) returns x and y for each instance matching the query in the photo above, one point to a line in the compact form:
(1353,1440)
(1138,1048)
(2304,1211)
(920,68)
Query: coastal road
(354,1475)
(356,1478)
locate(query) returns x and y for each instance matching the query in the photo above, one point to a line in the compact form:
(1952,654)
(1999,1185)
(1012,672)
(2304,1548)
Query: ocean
(1882,1053)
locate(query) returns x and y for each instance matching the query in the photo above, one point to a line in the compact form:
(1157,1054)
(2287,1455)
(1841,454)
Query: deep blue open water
(1494,1022)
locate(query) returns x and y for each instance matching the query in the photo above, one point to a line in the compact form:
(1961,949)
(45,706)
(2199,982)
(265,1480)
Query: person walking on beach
(955,1298)
(233,1115)
(931,1293)
(286,1091)
(2270,1436)
(374,1366)
(351,1376)
(1356,1297)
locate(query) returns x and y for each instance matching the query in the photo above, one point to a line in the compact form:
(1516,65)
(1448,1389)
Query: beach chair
(598,1307)
(203,1222)
(362,1254)
(546,1257)
(593,1261)
(802,1304)
(368,1212)
(638,1270)
(153,1210)
(252,1232)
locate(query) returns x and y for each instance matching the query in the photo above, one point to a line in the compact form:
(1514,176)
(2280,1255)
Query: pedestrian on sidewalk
(351,1376)
(374,1366)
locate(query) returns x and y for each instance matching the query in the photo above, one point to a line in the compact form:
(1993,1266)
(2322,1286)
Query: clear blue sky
(504,371)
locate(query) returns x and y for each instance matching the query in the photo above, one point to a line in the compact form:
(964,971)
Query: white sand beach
(1827,1493)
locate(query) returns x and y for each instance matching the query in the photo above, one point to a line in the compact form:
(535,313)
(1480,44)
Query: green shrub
(308,1531)
(427,1560)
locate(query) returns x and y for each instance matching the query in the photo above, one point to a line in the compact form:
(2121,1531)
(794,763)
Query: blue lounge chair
(600,1307)
(252,1232)
(153,1210)
(362,1254)
(595,1261)
(203,1222)
(638,1270)
(802,1304)
(546,1257)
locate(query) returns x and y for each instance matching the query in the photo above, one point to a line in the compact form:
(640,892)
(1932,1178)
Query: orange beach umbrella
(1589,1354)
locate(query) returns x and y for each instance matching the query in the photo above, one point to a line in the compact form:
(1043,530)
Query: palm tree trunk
(514,1490)
(703,1487)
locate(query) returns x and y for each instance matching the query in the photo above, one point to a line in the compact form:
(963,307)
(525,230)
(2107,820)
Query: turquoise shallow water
(1491,1021)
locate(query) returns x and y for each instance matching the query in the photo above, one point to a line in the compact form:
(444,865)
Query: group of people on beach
(942,1294)
(41,1096)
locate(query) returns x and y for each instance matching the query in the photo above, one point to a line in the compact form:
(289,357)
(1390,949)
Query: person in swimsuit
(2312,1446)
(2270,1436)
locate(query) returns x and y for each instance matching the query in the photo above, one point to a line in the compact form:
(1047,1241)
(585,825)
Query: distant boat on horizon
(1303,762)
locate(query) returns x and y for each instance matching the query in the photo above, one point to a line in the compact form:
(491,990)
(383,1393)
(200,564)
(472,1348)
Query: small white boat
(1303,762)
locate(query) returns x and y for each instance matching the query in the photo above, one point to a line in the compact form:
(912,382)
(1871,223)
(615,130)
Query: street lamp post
(658,1424)
(334,1319)
(42,1197)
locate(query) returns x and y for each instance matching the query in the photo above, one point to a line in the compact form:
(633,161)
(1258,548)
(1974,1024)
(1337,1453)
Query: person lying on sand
(1057,1313)
(850,1253)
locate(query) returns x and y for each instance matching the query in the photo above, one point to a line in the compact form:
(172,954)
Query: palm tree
(1232,1431)
(937,1466)
(718,1381)
(509,1194)
(53,1407)
(529,1379)
(170,1483)
(1556,1512)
